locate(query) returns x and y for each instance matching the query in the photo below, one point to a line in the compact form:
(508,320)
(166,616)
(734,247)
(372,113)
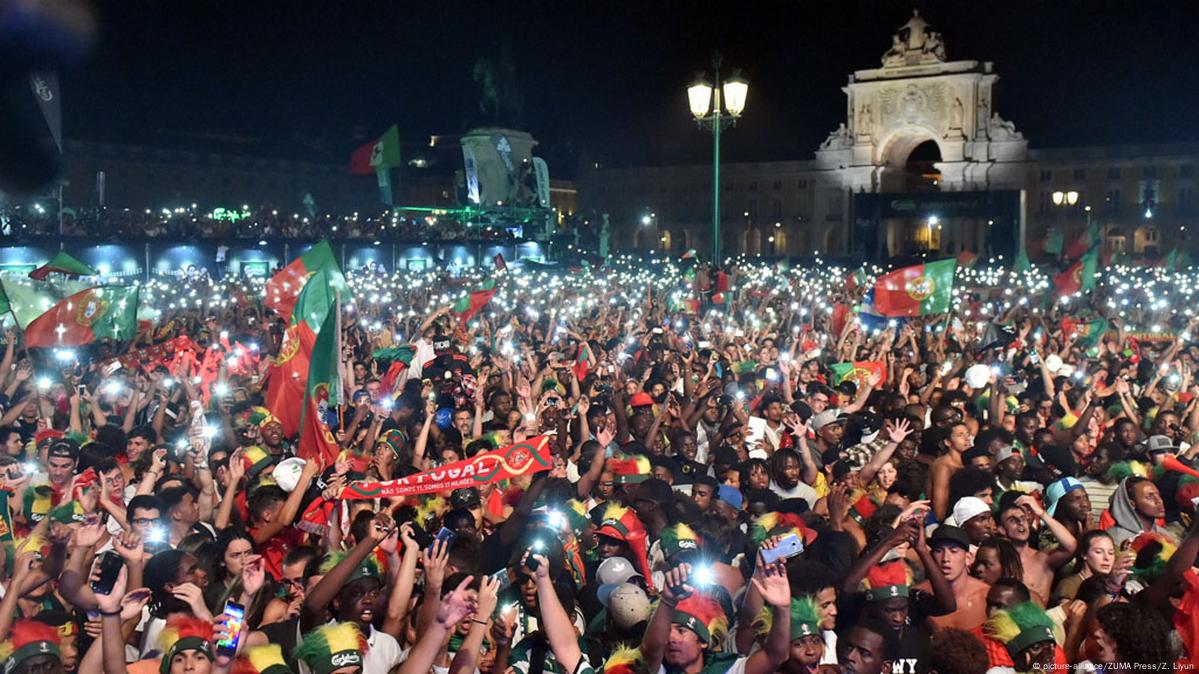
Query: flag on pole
(470,305)
(323,389)
(96,313)
(62,263)
(1078,277)
(383,151)
(856,279)
(916,290)
(1053,242)
(284,288)
(27,300)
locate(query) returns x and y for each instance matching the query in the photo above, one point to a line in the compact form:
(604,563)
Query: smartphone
(110,567)
(236,617)
(422,537)
(447,536)
(788,547)
(504,577)
(82,388)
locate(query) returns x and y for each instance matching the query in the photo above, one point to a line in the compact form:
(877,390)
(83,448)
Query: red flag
(360,160)
(288,376)
(582,362)
(840,317)
(1069,281)
(315,439)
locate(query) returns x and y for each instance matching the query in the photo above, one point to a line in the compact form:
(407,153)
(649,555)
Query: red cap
(641,399)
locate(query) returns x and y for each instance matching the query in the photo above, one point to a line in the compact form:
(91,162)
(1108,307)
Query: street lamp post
(705,102)
(1070,199)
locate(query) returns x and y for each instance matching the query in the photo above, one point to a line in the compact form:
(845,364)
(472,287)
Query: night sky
(605,81)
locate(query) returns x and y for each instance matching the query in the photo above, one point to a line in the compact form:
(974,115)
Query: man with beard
(1039,565)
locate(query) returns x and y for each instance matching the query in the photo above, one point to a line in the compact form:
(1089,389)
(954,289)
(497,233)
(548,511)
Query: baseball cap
(614,571)
(64,447)
(466,497)
(967,508)
(730,496)
(641,399)
(1159,443)
(829,416)
(1004,453)
(947,533)
(287,473)
(627,604)
(1057,489)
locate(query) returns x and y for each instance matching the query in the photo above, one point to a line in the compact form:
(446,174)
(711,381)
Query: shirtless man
(955,443)
(950,547)
(1039,565)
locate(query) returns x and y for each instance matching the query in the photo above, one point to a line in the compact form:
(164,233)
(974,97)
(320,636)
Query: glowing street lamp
(704,101)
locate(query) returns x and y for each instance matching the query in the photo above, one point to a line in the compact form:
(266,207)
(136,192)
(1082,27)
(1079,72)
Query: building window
(777,185)
(1080,174)
(1149,172)
(1113,173)
(1186,200)
(776,210)
(1046,175)
(1112,199)
(802,184)
(1186,171)
(753,186)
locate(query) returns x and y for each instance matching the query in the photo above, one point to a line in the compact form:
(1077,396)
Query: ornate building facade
(923,162)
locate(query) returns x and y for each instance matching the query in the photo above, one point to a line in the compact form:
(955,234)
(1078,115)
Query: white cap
(287,473)
(967,508)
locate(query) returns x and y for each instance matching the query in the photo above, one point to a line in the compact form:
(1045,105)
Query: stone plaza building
(923,163)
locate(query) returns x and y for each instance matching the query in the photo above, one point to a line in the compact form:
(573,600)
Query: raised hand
(457,605)
(253,574)
(434,561)
(129,546)
(772,583)
(111,602)
(897,432)
(675,585)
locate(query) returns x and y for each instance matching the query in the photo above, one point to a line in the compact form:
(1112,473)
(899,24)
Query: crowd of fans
(721,499)
(264,221)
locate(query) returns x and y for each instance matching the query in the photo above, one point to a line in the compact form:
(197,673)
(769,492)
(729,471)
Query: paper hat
(367,568)
(704,616)
(329,648)
(805,618)
(678,538)
(886,580)
(1153,550)
(622,524)
(184,633)
(28,638)
(629,469)
(256,460)
(1020,627)
(623,661)
(261,660)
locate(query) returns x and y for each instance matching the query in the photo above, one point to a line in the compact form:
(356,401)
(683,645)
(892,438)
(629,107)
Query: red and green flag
(289,371)
(28,300)
(62,263)
(1091,332)
(859,372)
(856,279)
(471,304)
(284,288)
(383,152)
(96,313)
(1078,277)
(323,389)
(916,290)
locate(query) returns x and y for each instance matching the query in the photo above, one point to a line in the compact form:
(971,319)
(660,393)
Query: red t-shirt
(276,548)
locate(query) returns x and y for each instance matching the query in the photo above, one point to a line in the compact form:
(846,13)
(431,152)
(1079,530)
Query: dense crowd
(264,221)
(1003,488)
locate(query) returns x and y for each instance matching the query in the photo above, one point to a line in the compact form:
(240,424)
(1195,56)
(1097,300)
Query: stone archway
(896,148)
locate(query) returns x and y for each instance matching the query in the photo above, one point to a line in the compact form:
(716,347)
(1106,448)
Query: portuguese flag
(283,289)
(1078,277)
(95,313)
(859,372)
(323,387)
(27,301)
(917,290)
(470,305)
(62,263)
(289,370)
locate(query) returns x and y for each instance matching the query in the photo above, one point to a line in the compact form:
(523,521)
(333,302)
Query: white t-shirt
(802,490)
(424,353)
